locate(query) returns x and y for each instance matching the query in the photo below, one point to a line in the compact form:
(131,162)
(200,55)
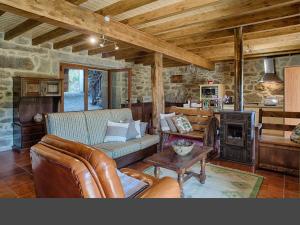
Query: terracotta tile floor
(16,178)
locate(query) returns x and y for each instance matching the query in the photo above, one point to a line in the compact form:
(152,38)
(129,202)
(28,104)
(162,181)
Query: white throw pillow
(116,132)
(163,122)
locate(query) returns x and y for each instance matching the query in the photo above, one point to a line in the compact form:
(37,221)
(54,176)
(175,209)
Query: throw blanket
(295,136)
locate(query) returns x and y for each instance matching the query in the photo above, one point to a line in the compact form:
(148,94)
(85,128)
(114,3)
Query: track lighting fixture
(102,41)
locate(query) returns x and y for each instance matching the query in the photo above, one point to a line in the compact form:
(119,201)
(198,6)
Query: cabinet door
(31,88)
(51,88)
(292,94)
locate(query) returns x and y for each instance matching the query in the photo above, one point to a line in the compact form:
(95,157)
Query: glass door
(97,89)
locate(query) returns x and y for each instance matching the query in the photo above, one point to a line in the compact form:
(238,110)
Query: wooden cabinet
(291,94)
(39,87)
(32,96)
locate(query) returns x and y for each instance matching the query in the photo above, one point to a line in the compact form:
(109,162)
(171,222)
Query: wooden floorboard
(16,179)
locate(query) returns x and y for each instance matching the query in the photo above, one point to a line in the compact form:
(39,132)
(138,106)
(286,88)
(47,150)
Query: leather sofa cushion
(71,126)
(119,149)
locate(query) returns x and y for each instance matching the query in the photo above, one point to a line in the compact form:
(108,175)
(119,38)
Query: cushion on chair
(182,124)
(71,126)
(119,149)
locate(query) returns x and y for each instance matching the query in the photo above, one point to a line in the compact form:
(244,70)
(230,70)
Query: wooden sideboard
(32,96)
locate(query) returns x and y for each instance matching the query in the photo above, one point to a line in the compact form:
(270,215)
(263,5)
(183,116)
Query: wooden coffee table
(168,159)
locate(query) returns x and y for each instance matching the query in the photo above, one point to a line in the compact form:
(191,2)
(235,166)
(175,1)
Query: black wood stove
(237,135)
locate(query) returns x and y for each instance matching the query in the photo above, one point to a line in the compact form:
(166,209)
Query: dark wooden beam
(50,35)
(239,73)
(70,41)
(1,13)
(21,29)
(158,97)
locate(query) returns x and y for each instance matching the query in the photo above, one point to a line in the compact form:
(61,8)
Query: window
(91,89)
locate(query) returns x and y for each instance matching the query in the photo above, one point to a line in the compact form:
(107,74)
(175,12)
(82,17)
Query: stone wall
(19,58)
(223,74)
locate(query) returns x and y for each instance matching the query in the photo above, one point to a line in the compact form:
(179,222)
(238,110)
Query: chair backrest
(198,118)
(64,168)
(278,114)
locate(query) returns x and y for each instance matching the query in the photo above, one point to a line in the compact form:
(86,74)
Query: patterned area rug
(220,182)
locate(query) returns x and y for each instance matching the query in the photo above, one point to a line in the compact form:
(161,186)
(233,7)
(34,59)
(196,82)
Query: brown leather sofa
(65,169)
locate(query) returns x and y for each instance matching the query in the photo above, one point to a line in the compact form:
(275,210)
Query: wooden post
(239,73)
(158,98)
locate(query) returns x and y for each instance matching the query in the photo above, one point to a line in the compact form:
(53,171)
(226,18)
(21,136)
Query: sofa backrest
(71,126)
(87,127)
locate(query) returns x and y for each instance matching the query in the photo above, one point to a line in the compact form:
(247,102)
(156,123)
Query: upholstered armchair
(65,169)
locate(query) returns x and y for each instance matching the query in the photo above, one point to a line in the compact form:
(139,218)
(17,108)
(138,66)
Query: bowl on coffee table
(183,147)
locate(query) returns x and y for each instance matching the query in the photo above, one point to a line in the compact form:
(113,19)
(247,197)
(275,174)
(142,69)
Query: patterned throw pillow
(295,136)
(116,132)
(163,122)
(183,124)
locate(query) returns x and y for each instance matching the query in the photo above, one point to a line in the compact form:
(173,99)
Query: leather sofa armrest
(166,187)
(140,176)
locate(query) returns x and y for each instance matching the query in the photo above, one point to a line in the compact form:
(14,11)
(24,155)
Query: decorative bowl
(183,147)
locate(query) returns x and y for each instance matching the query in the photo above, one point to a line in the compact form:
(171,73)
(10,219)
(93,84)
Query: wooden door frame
(64,66)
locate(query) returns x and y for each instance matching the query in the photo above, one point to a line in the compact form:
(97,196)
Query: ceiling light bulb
(116,47)
(107,19)
(101,45)
(93,40)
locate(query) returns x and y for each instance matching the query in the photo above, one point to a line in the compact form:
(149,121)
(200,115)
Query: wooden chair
(204,125)
(277,153)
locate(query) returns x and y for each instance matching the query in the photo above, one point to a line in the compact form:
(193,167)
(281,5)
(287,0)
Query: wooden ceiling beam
(50,35)
(123,6)
(1,12)
(265,26)
(169,10)
(257,46)
(236,21)
(221,10)
(247,36)
(29,24)
(21,29)
(124,53)
(63,14)
(70,41)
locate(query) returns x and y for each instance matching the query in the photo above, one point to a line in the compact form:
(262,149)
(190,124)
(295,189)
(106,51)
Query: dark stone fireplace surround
(237,136)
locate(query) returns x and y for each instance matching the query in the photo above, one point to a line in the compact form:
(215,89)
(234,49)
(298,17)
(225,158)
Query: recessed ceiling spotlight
(93,40)
(107,19)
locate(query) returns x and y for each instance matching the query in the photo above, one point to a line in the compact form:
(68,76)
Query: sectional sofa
(90,127)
